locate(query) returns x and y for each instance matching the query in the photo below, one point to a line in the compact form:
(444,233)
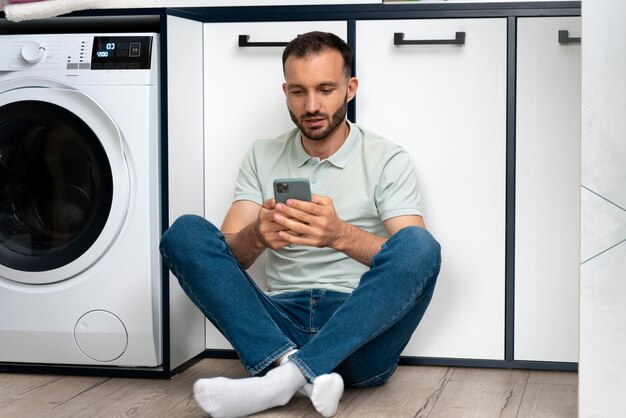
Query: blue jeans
(359,335)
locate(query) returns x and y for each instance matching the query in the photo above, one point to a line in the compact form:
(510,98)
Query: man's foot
(325,393)
(222,397)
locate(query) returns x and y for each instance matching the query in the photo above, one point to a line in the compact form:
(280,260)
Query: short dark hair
(314,42)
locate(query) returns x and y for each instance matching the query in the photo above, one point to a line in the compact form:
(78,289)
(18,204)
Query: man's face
(317,92)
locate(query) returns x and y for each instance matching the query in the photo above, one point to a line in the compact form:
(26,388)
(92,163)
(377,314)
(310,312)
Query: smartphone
(292,189)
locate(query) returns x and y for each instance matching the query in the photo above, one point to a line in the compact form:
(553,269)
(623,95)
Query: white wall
(602,367)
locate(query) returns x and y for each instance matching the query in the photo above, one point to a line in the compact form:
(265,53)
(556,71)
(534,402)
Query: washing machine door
(64,184)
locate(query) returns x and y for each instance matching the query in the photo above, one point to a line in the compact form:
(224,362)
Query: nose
(312,104)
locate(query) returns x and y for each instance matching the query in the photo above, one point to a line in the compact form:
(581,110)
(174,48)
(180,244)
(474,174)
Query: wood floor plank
(481,393)
(16,386)
(236,372)
(411,392)
(142,397)
(43,400)
(414,391)
(566,378)
(550,395)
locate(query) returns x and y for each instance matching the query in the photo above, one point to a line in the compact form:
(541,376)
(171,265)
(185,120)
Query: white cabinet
(185,187)
(244,3)
(547,233)
(244,101)
(446,105)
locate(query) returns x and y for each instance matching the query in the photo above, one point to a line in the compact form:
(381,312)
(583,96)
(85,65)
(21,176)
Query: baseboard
(450,362)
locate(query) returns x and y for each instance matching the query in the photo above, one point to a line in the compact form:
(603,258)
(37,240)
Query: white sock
(222,397)
(325,393)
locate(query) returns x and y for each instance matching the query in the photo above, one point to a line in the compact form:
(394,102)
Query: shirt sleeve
(398,193)
(248,186)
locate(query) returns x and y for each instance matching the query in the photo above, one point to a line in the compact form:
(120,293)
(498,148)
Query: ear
(285,88)
(353,84)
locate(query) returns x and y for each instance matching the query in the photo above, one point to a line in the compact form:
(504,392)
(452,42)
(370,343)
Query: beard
(318,134)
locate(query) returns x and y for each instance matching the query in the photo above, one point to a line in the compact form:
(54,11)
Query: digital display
(109,48)
(121,53)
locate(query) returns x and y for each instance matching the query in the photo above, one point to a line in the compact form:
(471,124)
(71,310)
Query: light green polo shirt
(369,179)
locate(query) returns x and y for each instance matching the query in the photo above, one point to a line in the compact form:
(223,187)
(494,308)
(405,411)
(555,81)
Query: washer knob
(32,52)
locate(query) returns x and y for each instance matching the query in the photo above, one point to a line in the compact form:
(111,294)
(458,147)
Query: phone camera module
(282,187)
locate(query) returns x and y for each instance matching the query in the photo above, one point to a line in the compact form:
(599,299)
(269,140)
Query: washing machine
(80,221)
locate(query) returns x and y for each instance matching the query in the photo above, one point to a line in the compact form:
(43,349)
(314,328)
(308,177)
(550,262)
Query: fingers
(301,210)
(297,239)
(313,223)
(315,206)
(294,224)
(268,229)
(284,212)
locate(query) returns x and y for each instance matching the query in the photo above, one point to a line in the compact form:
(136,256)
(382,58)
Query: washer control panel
(76,52)
(121,53)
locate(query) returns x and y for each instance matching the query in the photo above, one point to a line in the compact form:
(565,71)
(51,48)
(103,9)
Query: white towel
(49,8)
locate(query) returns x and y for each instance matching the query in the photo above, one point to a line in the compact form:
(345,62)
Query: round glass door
(63,184)
(55,186)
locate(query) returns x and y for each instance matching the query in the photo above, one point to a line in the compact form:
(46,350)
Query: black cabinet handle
(398,39)
(244,40)
(564,38)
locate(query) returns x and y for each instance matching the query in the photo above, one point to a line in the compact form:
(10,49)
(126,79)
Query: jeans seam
(271,358)
(308,373)
(311,310)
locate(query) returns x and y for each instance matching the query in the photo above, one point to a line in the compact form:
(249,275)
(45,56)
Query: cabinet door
(547,201)
(244,101)
(446,105)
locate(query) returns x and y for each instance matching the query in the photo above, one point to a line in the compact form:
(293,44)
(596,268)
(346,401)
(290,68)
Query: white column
(602,372)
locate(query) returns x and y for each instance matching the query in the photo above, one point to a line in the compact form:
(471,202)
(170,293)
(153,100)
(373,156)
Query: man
(350,273)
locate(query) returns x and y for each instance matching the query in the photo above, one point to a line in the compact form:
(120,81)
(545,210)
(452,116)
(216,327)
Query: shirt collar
(341,157)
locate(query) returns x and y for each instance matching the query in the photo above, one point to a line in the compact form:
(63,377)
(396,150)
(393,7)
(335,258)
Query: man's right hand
(249,229)
(267,229)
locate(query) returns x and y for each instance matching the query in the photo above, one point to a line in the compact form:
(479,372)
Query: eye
(327,90)
(297,92)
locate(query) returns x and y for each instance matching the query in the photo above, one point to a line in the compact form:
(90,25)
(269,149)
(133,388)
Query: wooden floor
(414,391)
